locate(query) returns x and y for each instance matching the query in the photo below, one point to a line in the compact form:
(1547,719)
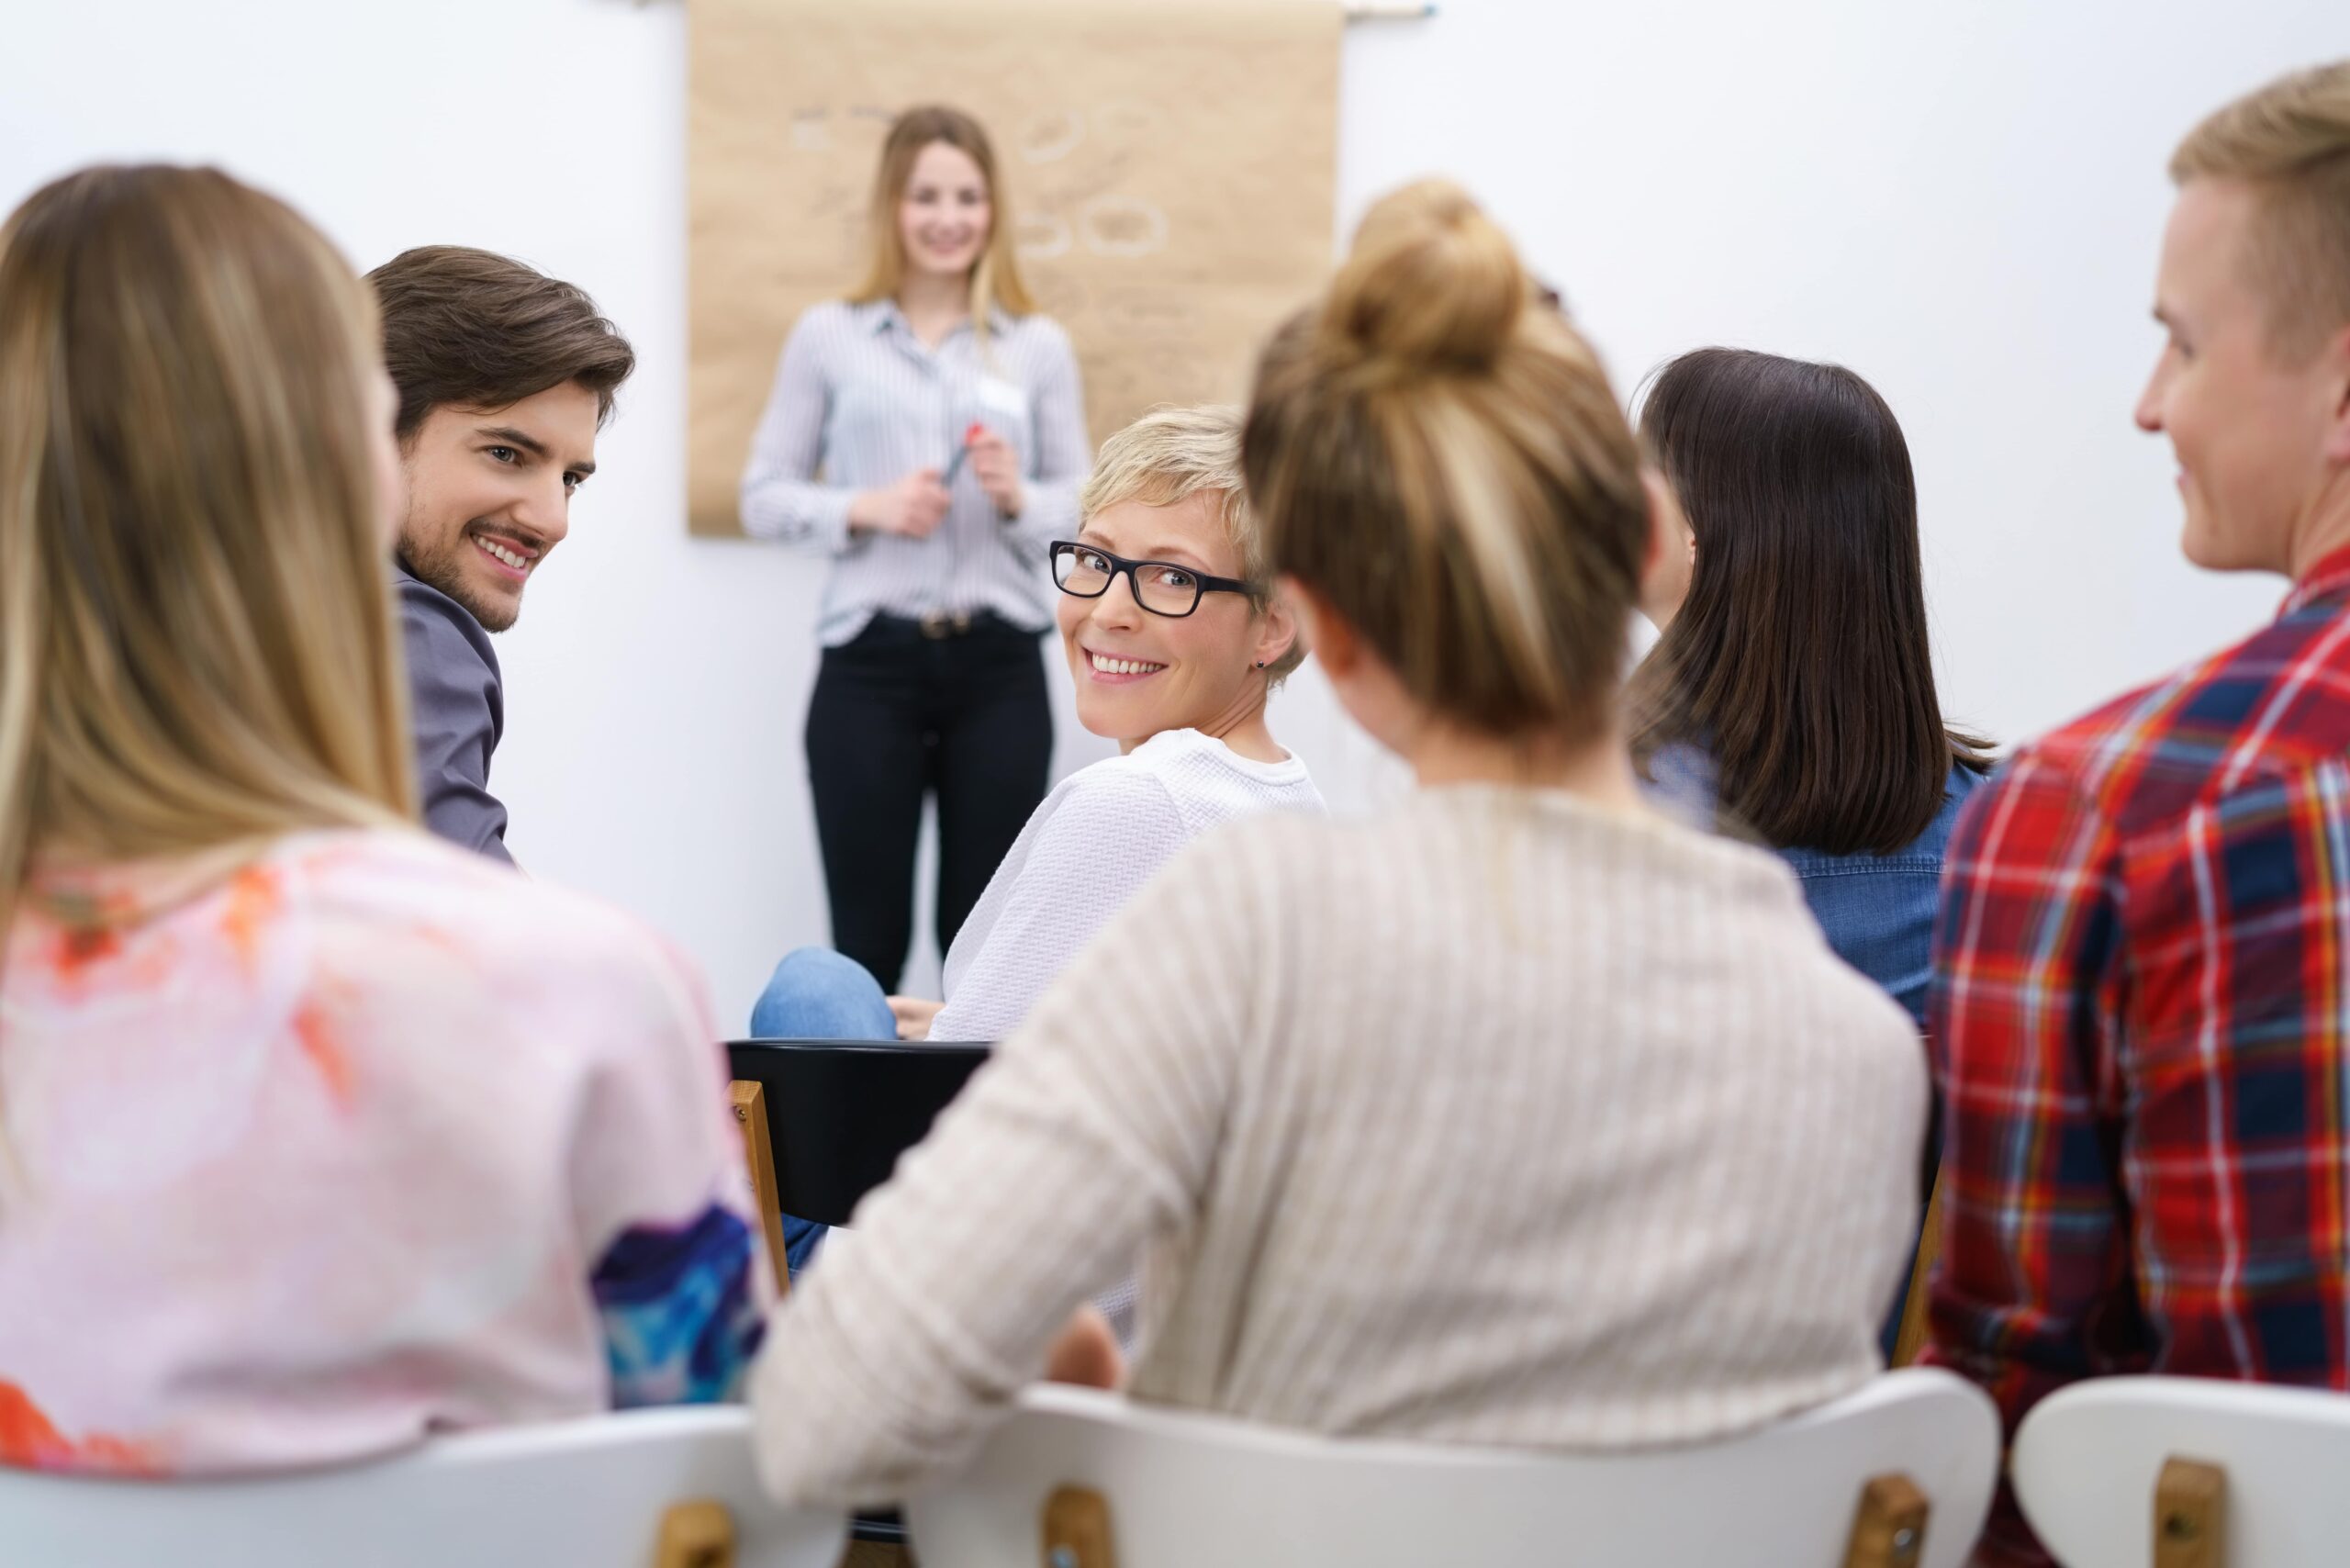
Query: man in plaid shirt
(2142,996)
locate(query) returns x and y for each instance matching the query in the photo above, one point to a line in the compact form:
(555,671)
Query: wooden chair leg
(1889,1526)
(750,1104)
(2190,1515)
(1912,1336)
(1076,1530)
(697,1533)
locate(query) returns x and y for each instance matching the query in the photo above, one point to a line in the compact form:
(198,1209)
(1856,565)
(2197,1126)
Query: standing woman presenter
(928,433)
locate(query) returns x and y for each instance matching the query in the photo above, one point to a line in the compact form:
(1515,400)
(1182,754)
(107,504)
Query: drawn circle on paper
(1051,135)
(1123,226)
(1041,235)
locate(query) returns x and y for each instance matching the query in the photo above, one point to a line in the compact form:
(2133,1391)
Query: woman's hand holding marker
(971,432)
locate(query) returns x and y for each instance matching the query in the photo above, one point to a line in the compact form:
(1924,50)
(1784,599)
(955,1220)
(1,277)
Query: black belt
(945,625)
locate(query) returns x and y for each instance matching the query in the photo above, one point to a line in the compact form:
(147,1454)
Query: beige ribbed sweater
(1497,1119)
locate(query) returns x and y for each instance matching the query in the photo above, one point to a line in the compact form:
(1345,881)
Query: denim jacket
(1876,909)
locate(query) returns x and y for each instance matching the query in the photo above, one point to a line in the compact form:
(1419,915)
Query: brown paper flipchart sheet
(1169,166)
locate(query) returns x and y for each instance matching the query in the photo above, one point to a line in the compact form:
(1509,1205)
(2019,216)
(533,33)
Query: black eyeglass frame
(1119,566)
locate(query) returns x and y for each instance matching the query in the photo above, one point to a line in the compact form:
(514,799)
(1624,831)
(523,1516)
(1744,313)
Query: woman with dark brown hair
(1791,698)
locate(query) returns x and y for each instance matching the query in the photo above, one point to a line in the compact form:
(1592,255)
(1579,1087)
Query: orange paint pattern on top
(86,944)
(318,1044)
(254,899)
(30,1440)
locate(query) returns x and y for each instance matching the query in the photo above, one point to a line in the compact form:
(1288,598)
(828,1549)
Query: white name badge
(1001,396)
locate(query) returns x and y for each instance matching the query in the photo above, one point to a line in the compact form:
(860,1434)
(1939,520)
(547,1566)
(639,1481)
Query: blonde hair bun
(1444,463)
(1431,284)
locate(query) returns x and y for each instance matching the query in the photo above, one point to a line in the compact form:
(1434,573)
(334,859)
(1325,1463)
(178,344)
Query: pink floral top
(308,1156)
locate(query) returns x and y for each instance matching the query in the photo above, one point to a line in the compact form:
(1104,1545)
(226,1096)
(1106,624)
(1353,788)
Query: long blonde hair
(196,639)
(996,279)
(1440,455)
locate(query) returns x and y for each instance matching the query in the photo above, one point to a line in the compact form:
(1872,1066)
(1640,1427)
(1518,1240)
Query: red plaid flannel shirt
(2141,1011)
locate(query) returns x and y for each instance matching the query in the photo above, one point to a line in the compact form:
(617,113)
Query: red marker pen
(955,464)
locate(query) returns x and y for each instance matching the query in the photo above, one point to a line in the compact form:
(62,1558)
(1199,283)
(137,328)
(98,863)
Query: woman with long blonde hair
(319,1135)
(928,433)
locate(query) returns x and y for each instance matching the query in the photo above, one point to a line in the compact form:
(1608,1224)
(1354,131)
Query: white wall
(1962,203)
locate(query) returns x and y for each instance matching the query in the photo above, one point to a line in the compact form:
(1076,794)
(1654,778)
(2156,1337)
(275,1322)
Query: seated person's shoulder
(436,625)
(1112,786)
(2142,760)
(416,911)
(1163,778)
(1290,855)
(1126,803)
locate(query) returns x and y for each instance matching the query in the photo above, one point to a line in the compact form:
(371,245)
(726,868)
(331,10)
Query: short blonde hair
(1441,458)
(1171,454)
(2290,141)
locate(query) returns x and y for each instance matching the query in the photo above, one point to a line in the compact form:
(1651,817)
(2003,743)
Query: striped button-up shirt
(860,402)
(2142,1016)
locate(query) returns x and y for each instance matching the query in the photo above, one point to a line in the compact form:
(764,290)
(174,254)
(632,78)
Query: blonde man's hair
(1167,456)
(2290,141)
(995,280)
(1440,457)
(197,642)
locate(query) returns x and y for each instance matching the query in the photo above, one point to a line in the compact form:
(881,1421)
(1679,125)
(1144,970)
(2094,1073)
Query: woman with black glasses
(1175,639)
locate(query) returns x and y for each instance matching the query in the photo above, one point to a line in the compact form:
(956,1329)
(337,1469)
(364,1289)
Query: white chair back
(1182,1490)
(2088,1462)
(587,1493)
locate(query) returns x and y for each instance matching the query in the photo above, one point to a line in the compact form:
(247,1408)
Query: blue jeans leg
(817,995)
(799,1239)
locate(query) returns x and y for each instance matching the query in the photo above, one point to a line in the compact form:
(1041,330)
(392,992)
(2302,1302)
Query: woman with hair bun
(1520,1115)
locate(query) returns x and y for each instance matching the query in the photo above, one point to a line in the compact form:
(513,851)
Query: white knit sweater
(1101,833)
(1499,1119)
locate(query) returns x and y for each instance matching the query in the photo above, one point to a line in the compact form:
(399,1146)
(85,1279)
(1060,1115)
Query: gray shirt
(860,402)
(457,707)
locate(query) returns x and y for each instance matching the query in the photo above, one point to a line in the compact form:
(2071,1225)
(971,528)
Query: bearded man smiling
(504,377)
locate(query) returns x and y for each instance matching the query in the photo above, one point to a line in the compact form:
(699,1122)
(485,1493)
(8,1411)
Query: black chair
(840,1111)
(838,1114)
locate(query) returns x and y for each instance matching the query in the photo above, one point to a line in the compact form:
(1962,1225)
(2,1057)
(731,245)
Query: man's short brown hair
(467,328)
(2290,141)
